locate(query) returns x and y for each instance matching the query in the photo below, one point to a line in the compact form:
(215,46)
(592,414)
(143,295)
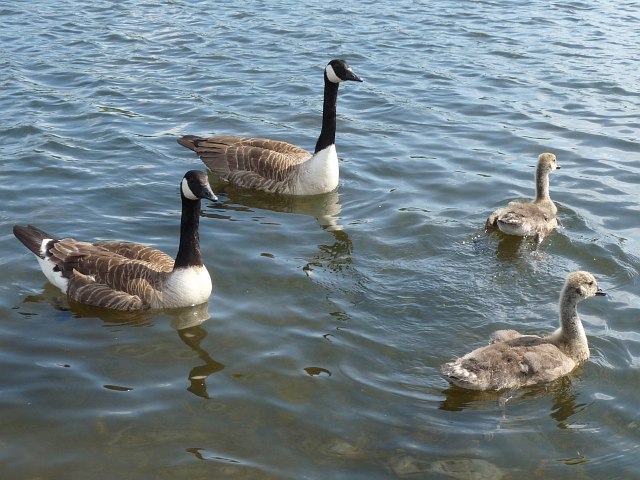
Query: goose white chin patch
(186,191)
(331,75)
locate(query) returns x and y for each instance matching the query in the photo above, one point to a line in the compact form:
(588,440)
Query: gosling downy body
(129,276)
(276,166)
(513,360)
(537,218)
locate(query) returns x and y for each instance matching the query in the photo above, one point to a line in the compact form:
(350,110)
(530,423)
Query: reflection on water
(565,399)
(188,324)
(324,208)
(334,256)
(186,321)
(192,337)
(60,302)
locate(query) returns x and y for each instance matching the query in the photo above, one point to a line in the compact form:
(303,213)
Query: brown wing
(104,265)
(249,162)
(135,251)
(85,290)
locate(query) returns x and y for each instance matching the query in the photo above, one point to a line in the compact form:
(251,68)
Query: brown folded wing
(116,275)
(249,162)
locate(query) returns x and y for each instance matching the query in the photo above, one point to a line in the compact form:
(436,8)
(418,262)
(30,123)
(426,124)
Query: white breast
(185,287)
(319,174)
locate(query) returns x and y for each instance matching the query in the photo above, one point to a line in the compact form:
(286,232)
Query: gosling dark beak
(600,293)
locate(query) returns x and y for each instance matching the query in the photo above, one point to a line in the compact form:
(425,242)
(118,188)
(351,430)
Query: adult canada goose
(514,360)
(537,218)
(276,166)
(129,276)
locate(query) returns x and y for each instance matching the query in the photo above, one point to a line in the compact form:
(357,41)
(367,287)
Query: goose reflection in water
(565,399)
(324,208)
(186,321)
(188,324)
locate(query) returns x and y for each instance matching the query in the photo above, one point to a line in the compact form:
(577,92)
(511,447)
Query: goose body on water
(537,218)
(513,360)
(276,166)
(129,276)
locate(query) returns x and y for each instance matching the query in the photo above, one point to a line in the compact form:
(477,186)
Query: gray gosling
(128,276)
(537,218)
(513,360)
(275,166)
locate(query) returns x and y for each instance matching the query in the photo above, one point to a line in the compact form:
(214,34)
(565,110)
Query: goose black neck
(189,249)
(328,133)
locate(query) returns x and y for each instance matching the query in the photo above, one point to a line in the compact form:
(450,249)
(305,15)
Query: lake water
(318,353)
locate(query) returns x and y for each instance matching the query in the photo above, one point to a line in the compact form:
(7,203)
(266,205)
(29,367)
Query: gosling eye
(590,283)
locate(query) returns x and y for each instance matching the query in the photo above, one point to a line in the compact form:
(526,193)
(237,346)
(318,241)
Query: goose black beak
(353,76)
(209,195)
(600,293)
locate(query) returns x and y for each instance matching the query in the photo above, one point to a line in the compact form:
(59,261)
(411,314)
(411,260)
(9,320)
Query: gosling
(513,360)
(537,218)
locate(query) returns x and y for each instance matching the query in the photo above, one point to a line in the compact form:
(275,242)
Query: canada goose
(276,166)
(129,276)
(537,218)
(513,360)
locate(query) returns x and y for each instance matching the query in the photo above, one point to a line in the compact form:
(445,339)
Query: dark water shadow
(508,248)
(565,399)
(186,321)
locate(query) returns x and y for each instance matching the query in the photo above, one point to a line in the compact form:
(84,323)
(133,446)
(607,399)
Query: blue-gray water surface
(318,353)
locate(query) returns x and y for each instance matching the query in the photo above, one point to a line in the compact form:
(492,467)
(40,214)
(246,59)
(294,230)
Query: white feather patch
(54,276)
(186,191)
(319,174)
(185,287)
(43,246)
(331,75)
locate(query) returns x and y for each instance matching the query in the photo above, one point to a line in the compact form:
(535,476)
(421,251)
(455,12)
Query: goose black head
(339,71)
(195,185)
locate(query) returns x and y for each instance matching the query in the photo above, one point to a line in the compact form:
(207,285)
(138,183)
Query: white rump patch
(186,191)
(43,246)
(54,276)
(331,75)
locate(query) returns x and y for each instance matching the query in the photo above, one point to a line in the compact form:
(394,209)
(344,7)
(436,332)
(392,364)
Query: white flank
(55,277)
(185,287)
(331,75)
(186,191)
(319,174)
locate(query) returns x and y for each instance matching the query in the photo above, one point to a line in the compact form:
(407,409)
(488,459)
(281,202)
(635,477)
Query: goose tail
(189,141)
(33,238)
